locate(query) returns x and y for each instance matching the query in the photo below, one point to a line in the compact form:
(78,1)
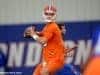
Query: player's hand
(29,31)
(44,70)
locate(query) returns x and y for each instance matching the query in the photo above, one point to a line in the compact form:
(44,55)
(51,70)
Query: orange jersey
(53,52)
(55,44)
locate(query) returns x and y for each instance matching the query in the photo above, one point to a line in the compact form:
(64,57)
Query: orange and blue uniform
(53,52)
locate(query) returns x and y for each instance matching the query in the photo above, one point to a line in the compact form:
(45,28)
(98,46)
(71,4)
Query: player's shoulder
(53,25)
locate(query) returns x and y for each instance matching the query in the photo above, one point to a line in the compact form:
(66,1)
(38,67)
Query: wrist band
(35,37)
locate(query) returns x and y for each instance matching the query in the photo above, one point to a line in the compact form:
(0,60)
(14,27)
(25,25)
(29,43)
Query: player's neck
(50,22)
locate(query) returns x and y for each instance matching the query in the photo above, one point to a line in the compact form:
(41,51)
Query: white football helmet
(49,13)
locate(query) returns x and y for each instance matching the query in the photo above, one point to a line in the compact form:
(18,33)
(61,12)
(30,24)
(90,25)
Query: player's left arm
(68,50)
